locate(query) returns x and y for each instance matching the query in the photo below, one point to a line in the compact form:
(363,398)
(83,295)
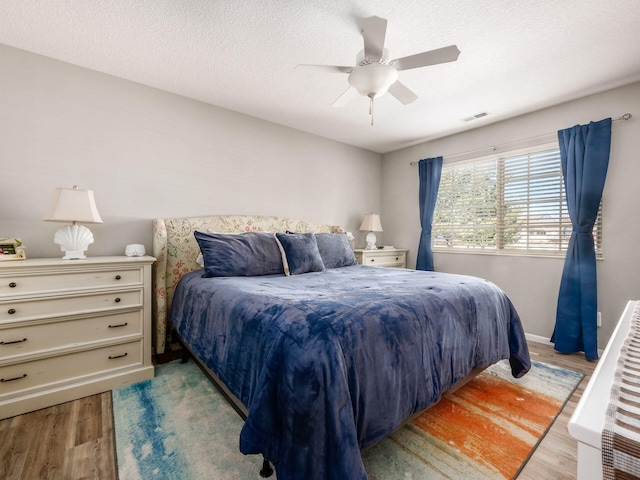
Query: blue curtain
(584,152)
(429,171)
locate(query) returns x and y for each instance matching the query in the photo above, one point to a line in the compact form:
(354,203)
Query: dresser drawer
(43,338)
(22,378)
(56,306)
(385,259)
(18,284)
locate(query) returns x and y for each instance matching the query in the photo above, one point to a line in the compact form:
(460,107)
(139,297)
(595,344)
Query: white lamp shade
(374,79)
(73,205)
(371,223)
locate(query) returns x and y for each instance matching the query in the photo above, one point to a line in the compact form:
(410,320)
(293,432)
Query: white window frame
(534,221)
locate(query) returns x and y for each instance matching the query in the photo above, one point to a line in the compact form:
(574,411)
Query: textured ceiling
(517,55)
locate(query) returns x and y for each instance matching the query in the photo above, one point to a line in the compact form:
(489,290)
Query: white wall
(532,283)
(148,153)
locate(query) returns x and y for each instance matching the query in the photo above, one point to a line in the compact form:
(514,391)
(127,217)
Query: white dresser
(72,328)
(383,257)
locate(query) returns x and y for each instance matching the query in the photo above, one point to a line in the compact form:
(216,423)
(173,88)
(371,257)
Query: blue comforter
(330,362)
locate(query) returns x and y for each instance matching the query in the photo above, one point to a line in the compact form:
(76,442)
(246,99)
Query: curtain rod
(493,148)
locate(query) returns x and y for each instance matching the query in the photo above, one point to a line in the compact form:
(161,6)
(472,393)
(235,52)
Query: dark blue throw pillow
(335,250)
(240,255)
(300,252)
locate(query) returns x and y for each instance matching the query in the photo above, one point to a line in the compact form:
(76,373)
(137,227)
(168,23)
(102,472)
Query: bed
(322,362)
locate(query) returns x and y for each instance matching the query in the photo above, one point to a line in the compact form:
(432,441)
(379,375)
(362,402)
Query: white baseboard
(546,341)
(537,339)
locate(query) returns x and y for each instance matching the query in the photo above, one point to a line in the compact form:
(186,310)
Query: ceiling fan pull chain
(371,108)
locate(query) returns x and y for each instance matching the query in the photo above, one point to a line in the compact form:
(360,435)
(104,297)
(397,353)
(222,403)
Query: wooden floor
(74,440)
(70,441)
(555,457)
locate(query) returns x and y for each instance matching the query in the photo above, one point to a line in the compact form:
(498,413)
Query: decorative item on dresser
(11,249)
(72,329)
(384,257)
(134,250)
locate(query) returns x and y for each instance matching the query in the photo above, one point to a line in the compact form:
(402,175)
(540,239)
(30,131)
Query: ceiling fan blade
(374,31)
(402,93)
(345,97)
(329,68)
(432,57)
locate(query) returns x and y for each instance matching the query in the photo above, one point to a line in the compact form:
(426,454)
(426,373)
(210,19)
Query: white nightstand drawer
(17,284)
(47,372)
(390,257)
(48,307)
(382,259)
(46,337)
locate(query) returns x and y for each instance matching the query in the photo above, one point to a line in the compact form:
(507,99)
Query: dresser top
(59,262)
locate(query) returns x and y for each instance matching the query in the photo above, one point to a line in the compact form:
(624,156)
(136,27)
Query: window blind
(511,204)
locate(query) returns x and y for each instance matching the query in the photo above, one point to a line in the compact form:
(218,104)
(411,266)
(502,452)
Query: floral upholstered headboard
(176,251)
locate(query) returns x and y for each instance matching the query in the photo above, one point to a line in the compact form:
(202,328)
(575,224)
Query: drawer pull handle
(397,258)
(117,299)
(373,260)
(111,357)
(14,341)
(5,380)
(119,325)
(11,311)
(13,285)
(118,277)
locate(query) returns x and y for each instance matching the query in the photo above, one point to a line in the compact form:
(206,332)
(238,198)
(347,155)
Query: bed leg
(185,355)
(266,470)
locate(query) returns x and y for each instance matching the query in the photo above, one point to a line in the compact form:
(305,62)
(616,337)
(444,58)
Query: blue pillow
(300,253)
(246,255)
(335,250)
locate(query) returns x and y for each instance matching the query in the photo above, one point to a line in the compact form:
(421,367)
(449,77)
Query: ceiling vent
(475,117)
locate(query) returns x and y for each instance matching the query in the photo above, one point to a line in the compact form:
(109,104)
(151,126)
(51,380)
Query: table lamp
(73,205)
(371,223)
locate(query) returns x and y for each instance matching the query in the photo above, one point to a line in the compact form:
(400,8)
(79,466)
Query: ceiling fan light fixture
(373,80)
(374,74)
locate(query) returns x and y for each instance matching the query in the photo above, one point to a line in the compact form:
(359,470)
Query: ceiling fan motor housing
(373,79)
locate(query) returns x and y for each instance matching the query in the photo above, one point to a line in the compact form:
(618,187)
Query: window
(513,204)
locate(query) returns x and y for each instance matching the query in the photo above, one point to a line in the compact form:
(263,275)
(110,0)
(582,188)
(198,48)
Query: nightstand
(72,328)
(383,257)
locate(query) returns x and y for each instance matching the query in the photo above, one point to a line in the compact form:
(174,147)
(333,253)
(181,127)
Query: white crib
(588,419)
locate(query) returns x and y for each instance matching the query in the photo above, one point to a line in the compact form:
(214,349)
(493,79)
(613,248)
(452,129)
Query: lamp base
(371,241)
(74,255)
(73,240)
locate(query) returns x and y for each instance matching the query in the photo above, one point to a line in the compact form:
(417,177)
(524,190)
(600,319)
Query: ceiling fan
(374,74)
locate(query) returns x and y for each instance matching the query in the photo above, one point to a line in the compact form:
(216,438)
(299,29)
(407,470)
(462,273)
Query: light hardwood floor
(70,441)
(74,440)
(555,457)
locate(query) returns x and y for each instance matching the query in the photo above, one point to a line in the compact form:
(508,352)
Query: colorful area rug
(179,426)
